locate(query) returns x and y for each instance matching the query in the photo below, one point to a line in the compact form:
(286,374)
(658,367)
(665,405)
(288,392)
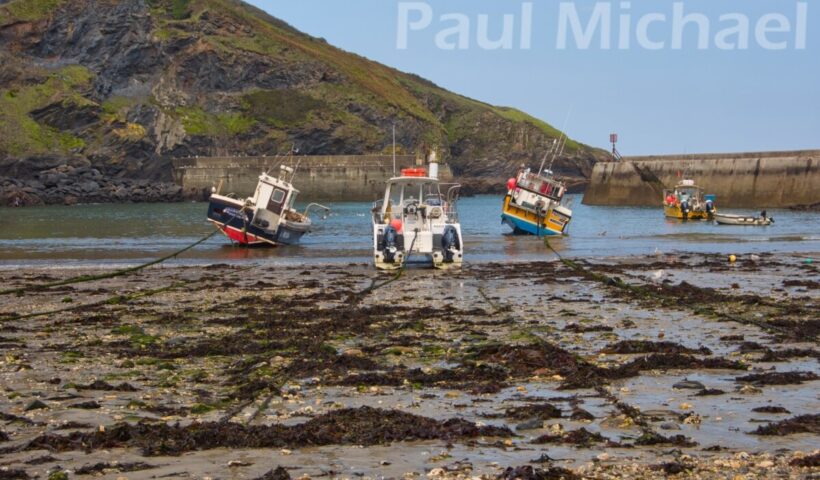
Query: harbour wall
(318,178)
(740,180)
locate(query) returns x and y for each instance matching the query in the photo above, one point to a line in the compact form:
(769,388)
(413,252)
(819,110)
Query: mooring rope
(115,300)
(374,286)
(117,273)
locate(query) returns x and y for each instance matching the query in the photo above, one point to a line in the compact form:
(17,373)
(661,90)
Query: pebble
(689,385)
(36,405)
(533,424)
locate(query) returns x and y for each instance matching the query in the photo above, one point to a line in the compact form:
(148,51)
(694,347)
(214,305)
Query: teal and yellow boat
(532,205)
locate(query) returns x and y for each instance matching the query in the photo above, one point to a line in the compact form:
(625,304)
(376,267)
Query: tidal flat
(613,368)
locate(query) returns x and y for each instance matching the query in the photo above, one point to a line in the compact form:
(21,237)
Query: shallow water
(127,234)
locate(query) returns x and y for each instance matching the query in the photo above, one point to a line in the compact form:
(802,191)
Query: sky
(660,101)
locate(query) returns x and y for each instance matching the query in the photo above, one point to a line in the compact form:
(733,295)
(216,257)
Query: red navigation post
(613,139)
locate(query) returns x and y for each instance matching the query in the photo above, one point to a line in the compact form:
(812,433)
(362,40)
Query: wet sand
(616,368)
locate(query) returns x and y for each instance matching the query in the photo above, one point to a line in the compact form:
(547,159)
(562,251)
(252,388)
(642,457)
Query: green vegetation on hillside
(280,108)
(20,134)
(27,10)
(198,122)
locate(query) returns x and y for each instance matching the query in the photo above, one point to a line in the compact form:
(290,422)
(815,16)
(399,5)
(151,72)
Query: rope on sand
(117,273)
(356,298)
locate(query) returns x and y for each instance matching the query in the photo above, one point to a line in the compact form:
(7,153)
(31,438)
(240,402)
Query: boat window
(275,203)
(278,196)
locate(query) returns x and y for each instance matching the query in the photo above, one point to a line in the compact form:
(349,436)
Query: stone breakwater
(320,178)
(740,180)
(48,181)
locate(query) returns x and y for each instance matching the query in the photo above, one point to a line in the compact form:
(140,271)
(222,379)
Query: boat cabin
(531,188)
(274,198)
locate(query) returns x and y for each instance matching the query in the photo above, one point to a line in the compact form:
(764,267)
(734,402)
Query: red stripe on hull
(240,237)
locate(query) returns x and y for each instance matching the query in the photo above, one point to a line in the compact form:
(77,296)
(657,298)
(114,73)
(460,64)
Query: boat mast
(562,138)
(547,154)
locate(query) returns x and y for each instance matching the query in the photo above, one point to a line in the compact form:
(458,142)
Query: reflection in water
(92,234)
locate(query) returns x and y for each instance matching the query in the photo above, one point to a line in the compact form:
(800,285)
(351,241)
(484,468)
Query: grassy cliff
(130,84)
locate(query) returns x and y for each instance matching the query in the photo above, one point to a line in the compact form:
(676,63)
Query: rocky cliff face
(106,92)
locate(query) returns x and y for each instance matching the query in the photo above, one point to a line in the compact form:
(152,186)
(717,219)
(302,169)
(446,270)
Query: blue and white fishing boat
(267,218)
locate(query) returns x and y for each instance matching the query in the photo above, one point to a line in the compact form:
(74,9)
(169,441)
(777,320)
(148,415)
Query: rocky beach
(54,180)
(598,369)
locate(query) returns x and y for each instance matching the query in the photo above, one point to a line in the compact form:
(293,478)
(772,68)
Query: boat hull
(524,222)
(739,220)
(237,225)
(676,212)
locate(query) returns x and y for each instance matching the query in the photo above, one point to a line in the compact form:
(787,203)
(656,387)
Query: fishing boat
(417,216)
(532,205)
(267,218)
(726,219)
(688,202)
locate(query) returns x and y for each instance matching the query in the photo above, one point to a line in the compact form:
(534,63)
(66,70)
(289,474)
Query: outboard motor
(389,244)
(450,243)
(710,208)
(684,207)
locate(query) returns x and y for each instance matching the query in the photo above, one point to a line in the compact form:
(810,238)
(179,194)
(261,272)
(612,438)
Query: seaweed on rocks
(732,338)
(579,414)
(789,353)
(360,426)
(13,474)
(10,417)
(800,424)
(771,409)
(524,360)
(475,378)
(749,347)
(809,461)
(778,378)
(102,468)
(581,437)
(660,361)
(104,386)
(544,411)
(530,473)
(707,392)
(673,468)
(652,438)
(278,473)
(575,328)
(646,346)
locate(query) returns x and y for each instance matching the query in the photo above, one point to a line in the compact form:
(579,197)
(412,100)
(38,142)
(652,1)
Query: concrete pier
(740,180)
(318,178)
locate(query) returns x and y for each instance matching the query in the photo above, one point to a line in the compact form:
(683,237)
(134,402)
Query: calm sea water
(129,234)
